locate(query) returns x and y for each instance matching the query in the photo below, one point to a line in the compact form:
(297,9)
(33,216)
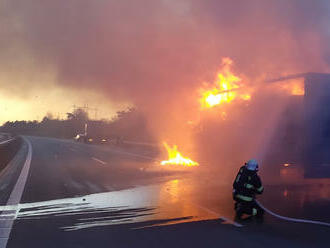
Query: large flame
(175,157)
(227,87)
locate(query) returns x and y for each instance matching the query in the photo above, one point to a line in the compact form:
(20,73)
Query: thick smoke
(156,54)
(150,50)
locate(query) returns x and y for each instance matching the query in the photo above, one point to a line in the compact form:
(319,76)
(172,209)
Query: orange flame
(227,87)
(298,89)
(294,87)
(175,157)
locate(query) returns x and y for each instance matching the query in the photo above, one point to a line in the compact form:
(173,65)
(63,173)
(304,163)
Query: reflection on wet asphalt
(73,194)
(295,195)
(140,204)
(299,201)
(183,199)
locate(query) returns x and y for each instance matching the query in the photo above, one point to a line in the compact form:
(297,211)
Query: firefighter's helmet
(252,165)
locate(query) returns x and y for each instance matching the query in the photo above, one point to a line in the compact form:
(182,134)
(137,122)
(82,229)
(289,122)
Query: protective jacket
(246,185)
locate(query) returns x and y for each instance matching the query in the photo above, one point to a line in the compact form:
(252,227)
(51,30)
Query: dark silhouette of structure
(315,155)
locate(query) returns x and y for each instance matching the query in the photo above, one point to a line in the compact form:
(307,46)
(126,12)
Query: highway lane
(69,169)
(77,195)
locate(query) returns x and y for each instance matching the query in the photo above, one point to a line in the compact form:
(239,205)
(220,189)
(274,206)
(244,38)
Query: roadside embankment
(8,149)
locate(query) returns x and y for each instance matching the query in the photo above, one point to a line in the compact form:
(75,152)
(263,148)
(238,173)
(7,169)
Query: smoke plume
(156,54)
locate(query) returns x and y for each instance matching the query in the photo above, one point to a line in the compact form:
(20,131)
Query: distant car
(101,140)
(105,140)
(88,139)
(83,138)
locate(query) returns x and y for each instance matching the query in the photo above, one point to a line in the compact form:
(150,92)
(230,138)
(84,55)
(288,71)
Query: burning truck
(223,118)
(293,129)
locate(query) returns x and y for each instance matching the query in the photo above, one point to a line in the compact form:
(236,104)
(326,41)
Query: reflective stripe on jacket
(247,183)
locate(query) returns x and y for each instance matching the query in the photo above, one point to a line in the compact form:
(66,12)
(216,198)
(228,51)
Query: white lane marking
(234,223)
(107,149)
(6,141)
(315,222)
(6,224)
(99,160)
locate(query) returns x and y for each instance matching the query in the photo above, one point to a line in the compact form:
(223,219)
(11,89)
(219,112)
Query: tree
(78,115)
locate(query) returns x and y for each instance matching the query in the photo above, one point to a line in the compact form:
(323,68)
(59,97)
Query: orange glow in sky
(57,101)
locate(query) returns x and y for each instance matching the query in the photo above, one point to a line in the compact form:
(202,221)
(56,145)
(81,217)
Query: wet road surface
(80,195)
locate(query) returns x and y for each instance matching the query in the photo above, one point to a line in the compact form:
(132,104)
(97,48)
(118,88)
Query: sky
(153,54)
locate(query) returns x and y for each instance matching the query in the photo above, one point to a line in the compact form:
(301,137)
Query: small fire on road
(175,157)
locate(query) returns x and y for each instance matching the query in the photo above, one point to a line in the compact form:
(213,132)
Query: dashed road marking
(112,150)
(6,141)
(99,160)
(228,220)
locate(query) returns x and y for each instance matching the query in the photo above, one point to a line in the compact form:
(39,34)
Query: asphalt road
(77,195)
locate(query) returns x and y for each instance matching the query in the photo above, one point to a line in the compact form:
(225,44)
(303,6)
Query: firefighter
(245,187)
